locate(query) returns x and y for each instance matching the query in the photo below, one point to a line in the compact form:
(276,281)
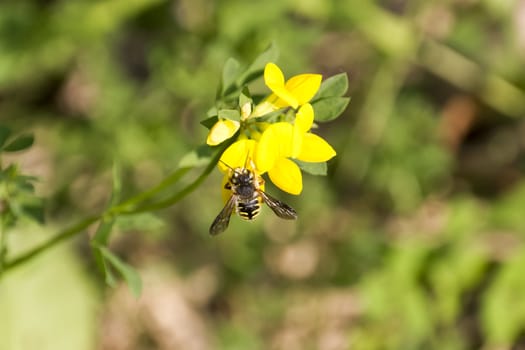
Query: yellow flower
(297,91)
(238,155)
(221,131)
(282,141)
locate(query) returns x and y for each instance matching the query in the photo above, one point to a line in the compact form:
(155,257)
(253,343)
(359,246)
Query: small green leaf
(5,132)
(198,157)
(101,236)
(103,265)
(212,112)
(245,97)
(230,72)
(24,183)
(232,114)
(20,143)
(312,168)
(129,274)
(11,172)
(255,70)
(34,211)
(333,87)
(210,122)
(329,108)
(502,313)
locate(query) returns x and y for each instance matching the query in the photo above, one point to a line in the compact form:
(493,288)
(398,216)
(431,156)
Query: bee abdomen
(250,209)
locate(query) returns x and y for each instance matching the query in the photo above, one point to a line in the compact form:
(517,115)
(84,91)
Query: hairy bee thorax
(245,184)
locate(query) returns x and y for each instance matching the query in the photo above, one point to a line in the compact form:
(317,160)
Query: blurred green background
(415,239)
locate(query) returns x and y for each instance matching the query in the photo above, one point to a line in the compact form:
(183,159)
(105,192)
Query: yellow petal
(274,79)
(304,86)
(273,76)
(221,131)
(237,155)
(267,150)
(286,98)
(297,142)
(225,193)
(315,149)
(304,117)
(287,176)
(276,142)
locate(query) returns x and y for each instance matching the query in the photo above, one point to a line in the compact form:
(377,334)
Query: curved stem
(179,195)
(73,230)
(127,207)
(124,206)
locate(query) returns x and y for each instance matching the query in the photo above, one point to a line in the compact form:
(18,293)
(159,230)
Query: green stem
(179,195)
(67,233)
(141,197)
(127,207)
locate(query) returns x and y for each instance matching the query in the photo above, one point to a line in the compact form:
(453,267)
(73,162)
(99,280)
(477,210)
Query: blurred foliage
(413,241)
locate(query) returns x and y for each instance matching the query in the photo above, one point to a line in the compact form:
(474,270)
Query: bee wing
(280,209)
(222,220)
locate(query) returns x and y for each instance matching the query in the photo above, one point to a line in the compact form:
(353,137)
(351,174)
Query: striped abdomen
(249,208)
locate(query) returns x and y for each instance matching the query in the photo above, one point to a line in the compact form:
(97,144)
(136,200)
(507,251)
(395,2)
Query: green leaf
(210,122)
(5,132)
(502,312)
(102,264)
(212,112)
(230,72)
(329,108)
(255,70)
(245,97)
(198,157)
(312,168)
(34,211)
(24,183)
(20,143)
(129,274)
(11,172)
(232,114)
(101,236)
(334,86)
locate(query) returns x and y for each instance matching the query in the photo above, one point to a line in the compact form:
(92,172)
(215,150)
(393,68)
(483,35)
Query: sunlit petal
(286,98)
(267,150)
(287,176)
(297,141)
(283,137)
(273,76)
(221,131)
(274,79)
(304,86)
(304,117)
(315,149)
(225,193)
(237,155)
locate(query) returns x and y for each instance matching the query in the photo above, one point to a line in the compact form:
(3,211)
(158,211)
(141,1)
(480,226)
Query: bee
(247,198)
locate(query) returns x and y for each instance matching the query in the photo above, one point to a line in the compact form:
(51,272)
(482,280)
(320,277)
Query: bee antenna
(220,160)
